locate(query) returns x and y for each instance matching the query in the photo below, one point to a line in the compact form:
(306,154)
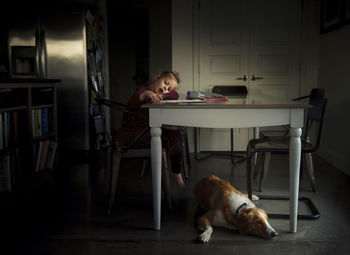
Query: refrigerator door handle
(43,54)
(37,53)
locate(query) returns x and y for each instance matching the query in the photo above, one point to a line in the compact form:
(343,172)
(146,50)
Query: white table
(253,111)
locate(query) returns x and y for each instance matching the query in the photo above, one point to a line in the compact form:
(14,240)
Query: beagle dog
(227,207)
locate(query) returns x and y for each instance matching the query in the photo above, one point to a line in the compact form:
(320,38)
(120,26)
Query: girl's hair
(172,74)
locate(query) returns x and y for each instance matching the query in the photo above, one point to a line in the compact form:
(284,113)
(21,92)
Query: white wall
(159,36)
(334,68)
(182,42)
(183,49)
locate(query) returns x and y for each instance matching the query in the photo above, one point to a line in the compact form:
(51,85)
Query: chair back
(231,90)
(316,99)
(315,115)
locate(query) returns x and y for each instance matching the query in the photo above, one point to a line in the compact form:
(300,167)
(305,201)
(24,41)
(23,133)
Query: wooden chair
(280,144)
(231,91)
(265,146)
(115,155)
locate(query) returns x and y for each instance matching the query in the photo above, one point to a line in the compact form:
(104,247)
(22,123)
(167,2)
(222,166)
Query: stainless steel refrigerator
(51,43)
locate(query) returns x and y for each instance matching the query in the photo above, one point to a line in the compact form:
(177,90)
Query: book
(183,101)
(5,173)
(51,156)
(39,147)
(5,130)
(44,121)
(1,133)
(33,123)
(43,155)
(39,132)
(15,128)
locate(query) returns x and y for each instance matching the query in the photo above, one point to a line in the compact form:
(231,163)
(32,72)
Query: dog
(227,207)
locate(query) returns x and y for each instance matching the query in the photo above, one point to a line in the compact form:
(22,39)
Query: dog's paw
(205,236)
(255,197)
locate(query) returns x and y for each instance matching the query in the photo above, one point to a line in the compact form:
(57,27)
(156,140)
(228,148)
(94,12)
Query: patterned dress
(133,126)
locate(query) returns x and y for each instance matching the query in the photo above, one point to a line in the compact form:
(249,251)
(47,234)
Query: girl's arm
(173,95)
(135,100)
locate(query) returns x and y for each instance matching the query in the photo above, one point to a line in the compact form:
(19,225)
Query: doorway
(253,43)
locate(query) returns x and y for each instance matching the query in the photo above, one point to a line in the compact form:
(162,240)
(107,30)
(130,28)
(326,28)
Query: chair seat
(277,144)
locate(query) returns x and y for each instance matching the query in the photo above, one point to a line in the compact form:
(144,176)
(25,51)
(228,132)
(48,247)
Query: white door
(256,39)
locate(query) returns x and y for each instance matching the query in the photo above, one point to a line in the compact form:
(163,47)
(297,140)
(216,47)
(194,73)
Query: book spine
(5,130)
(39,122)
(1,133)
(15,128)
(52,158)
(43,156)
(33,123)
(44,121)
(5,173)
(38,155)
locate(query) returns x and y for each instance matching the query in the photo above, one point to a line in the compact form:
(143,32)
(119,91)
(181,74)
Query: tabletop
(250,101)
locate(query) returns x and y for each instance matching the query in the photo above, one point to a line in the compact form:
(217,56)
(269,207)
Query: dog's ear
(244,219)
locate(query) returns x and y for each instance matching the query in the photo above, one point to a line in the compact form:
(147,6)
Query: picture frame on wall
(347,11)
(331,15)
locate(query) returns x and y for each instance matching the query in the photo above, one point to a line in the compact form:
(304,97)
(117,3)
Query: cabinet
(28,134)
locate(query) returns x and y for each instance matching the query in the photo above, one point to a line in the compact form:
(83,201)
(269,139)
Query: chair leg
(187,152)
(232,149)
(250,164)
(265,169)
(144,165)
(184,162)
(166,181)
(240,157)
(195,144)
(257,167)
(310,170)
(114,173)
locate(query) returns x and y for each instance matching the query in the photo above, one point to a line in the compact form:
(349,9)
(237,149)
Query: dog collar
(240,208)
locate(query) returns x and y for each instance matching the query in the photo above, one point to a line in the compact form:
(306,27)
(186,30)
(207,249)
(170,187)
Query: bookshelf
(28,134)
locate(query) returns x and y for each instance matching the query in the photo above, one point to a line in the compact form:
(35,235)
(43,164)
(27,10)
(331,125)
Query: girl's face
(163,85)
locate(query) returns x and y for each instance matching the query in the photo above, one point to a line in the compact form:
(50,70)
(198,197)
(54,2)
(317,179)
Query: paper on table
(183,101)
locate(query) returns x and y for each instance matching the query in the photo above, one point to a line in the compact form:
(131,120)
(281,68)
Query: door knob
(244,78)
(256,78)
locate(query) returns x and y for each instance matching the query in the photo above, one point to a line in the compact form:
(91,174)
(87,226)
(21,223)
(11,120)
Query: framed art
(347,11)
(331,14)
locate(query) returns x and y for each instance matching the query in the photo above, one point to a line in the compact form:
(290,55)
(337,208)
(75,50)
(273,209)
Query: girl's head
(164,82)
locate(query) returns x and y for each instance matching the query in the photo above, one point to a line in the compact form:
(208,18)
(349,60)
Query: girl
(162,86)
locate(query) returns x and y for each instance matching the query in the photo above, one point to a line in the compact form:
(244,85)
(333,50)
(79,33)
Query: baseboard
(335,160)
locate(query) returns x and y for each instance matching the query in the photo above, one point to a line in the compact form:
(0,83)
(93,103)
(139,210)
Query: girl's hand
(152,97)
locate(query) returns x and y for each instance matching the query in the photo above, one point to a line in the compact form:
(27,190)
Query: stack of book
(45,154)
(40,121)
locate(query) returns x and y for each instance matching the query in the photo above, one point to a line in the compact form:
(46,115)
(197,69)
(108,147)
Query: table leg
(156,159)
(294,173)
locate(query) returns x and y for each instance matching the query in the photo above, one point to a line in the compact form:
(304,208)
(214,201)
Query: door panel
(275,47)
(224,53)
(257,38)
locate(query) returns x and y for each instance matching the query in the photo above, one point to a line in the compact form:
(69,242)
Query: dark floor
(73,221)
